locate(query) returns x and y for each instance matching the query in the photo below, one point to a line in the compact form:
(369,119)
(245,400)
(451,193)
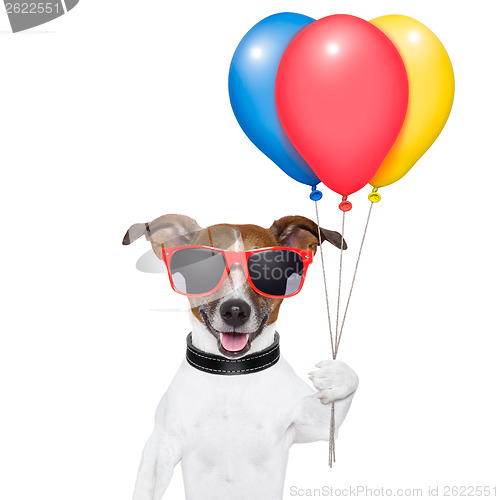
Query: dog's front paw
(334,380)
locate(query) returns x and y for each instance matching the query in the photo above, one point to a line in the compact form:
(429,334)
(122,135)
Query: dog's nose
(235,312)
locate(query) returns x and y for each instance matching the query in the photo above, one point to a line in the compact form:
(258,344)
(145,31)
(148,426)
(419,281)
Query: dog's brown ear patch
(300,232)
(169,230)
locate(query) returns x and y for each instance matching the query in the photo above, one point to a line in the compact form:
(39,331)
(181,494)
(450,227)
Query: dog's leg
(161,454)
(336,383)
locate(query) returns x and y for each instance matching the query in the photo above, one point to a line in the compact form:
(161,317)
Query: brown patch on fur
(275,309)
(226,235)
(196,313)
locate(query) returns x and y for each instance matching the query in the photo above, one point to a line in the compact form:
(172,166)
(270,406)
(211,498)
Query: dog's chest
(231,430)
(240,419)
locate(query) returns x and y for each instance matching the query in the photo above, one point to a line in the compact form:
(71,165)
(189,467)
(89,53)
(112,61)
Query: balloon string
(324,282)
(338,335)
(353,279)
(340,286)
(331,445)
(331,457)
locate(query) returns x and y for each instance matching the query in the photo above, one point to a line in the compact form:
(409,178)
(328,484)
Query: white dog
(236,406)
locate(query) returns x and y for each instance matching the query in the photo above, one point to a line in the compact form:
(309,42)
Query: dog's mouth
(233,344)
(234,341)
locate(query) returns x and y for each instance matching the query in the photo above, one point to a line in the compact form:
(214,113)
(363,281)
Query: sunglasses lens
(196,270)
(276,272)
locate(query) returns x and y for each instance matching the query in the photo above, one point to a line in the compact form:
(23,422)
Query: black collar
(219,365)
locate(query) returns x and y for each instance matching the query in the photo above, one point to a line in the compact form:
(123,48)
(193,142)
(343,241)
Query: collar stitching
(258,368)
(220,358)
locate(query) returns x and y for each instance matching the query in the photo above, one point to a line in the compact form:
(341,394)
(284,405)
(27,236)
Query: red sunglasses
(274,272)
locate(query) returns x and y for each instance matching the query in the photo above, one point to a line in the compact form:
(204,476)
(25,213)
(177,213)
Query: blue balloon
(252,78)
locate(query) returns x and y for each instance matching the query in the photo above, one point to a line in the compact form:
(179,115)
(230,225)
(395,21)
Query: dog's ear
(299,232)
(170,230)
(134,232)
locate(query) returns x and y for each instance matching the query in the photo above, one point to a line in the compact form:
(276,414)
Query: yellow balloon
(431,89)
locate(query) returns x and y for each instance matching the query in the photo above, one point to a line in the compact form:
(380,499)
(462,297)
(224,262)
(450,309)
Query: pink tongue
(234,341)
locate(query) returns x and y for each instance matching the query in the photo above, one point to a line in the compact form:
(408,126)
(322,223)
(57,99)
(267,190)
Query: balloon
(431,90)
(342,94)
(252,76)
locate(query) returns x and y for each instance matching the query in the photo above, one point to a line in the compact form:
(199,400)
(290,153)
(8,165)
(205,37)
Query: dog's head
(234,316)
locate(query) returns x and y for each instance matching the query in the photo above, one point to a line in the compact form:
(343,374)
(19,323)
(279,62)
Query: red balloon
(342,94)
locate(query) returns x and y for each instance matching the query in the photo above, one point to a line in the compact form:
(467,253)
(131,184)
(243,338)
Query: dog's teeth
(247,336)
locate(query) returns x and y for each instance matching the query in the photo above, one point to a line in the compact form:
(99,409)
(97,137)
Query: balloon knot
(345,205)
(315,195)
(374,197)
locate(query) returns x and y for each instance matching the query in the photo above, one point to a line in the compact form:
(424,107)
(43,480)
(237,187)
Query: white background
(117,113)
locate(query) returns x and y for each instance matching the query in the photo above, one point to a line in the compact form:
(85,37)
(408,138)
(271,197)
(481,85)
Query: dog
(235,406)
